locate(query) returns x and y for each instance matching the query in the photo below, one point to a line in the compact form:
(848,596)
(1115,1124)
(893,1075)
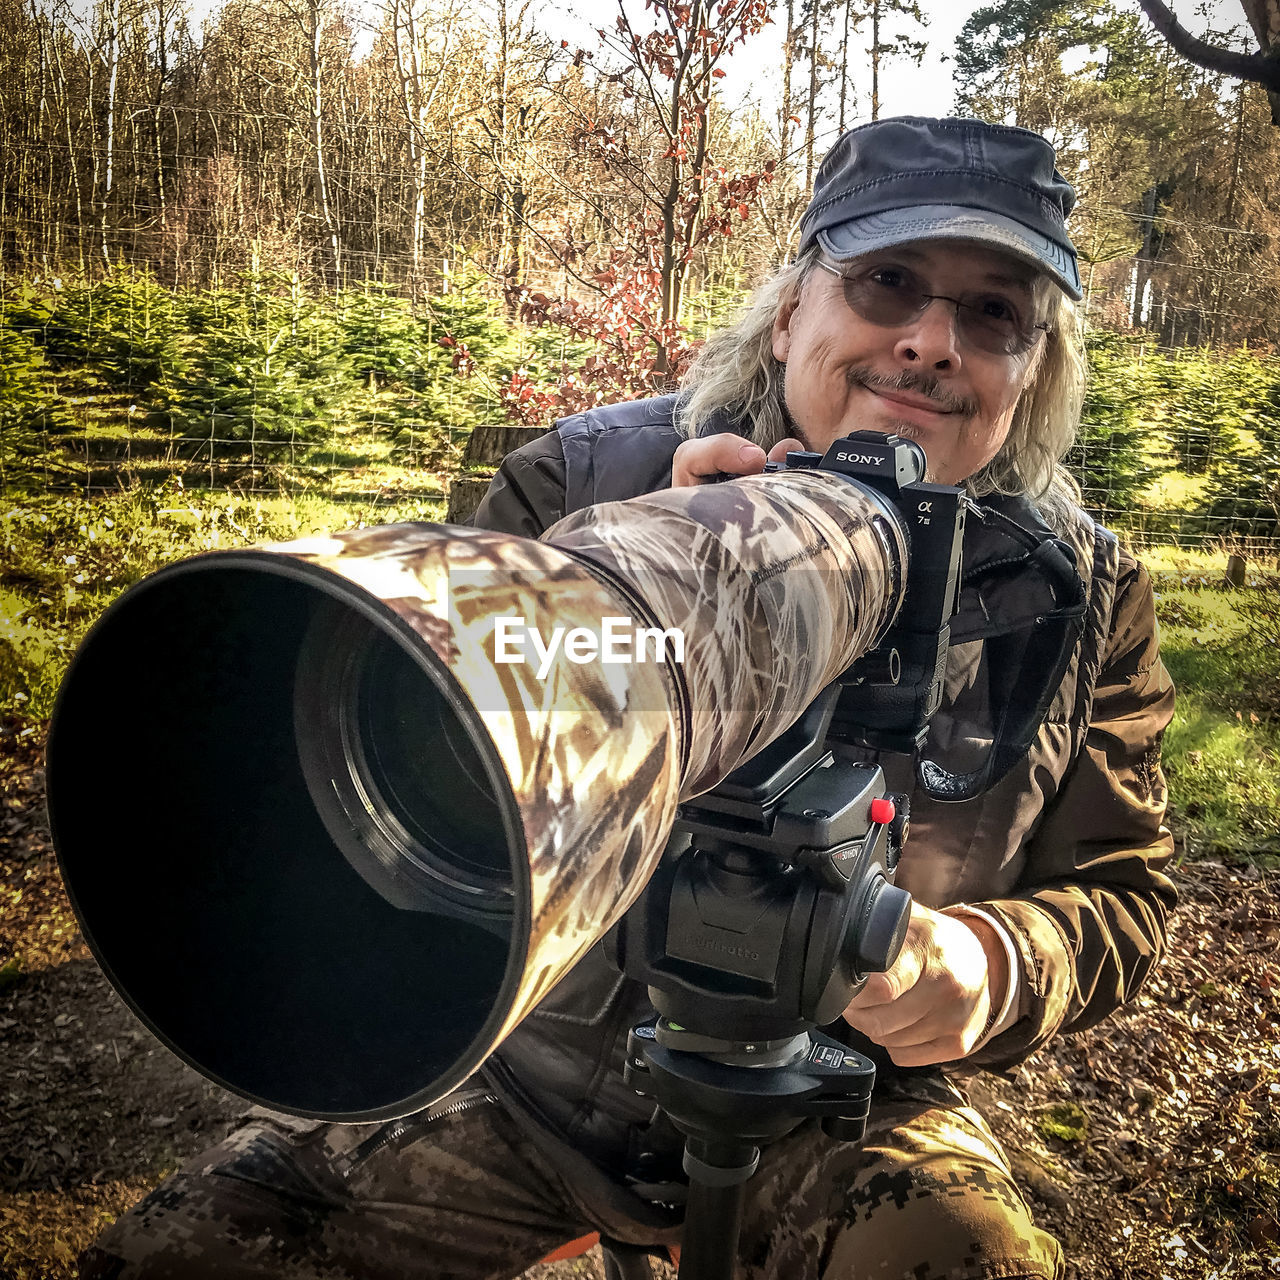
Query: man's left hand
(933,1005)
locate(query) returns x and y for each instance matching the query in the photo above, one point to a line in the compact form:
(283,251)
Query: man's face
(923,379)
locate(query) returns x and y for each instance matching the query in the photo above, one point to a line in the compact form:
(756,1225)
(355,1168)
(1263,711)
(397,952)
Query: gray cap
(912,178)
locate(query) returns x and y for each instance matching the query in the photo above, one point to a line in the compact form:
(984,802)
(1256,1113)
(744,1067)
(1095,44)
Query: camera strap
(1032,649)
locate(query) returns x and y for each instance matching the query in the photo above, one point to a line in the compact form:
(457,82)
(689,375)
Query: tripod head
(775,898)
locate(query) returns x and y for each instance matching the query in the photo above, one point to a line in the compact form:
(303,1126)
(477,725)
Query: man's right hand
(706,458)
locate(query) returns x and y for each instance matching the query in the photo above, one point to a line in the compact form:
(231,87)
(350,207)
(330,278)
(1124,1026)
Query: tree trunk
(673,264)
(417,95)
(1144,263)
(875,59)
(693,223)
(788,99)
(811,123)
(844,61)
(1229,213)
(95,159)
(405,43)
(111,64)
(316,17)
(513,196)
(162,80)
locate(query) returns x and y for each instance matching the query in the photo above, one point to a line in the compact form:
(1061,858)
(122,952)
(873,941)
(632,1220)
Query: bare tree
(312,17)
(786,114)
(99,40)
(109,50)
(851,23)
(423,41)
(900,46)
(676,66)
(1262,67)
(514,111)
(165,15)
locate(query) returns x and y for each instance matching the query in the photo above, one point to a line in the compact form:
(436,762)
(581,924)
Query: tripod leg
(718,1171)
(713,1220)
(625,1261)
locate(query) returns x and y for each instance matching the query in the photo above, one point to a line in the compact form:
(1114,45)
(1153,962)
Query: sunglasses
(893,295)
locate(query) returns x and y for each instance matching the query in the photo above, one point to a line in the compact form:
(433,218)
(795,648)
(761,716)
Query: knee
(242,1210)
(137,1247)
(963,1220)
(177,1232)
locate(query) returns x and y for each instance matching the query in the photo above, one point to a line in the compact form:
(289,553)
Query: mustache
(921,384)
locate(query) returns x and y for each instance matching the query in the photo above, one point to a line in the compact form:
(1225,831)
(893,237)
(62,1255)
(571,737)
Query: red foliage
(463,362)
(640,346)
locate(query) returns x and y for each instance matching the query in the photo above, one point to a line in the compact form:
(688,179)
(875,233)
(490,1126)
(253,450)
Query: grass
(1222,751)
(1066,1121)
(1173,564)
(63,559)
(1223,781)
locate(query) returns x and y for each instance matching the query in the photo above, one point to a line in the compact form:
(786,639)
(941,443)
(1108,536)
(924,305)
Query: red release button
(882,810)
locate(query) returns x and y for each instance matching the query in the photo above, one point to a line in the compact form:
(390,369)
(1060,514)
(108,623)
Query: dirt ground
(1150,1146)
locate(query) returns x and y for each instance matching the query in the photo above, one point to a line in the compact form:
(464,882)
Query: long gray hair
(736,373)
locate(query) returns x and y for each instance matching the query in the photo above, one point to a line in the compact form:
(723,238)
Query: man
(931,297)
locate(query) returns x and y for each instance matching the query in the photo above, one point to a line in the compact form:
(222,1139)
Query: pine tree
(266,363)
(1114,460)
(122,329)
(29,410)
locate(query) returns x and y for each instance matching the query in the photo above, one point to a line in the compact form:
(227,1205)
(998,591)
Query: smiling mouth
(912,390)
(912,402)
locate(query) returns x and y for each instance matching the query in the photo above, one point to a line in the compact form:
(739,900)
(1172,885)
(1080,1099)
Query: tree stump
(1235,570)
(488,445)
(464,497)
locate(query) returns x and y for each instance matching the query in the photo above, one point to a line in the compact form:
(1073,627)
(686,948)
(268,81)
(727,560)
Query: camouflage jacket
(1068,849)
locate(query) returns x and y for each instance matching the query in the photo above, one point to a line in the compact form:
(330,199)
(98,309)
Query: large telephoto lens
(282,845)
(394,776)
(332,840)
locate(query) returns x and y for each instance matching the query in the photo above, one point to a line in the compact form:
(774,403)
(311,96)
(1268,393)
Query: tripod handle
(883,928)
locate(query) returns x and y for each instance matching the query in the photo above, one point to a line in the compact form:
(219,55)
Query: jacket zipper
(398,1130)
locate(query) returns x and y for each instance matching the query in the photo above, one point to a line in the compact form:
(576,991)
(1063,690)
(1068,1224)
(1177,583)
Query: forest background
(371,227)
(269,266)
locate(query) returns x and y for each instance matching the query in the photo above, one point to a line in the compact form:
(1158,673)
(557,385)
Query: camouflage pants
(927,1196)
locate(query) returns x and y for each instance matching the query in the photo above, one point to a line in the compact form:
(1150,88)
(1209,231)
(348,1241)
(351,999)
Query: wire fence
(1180,445)
(93,466)
(1158,498)
(1221,510)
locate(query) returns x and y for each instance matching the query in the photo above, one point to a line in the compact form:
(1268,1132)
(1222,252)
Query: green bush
(1211,403)
(1222,422)
(122,328)
(264,362)
(1183,444)
(29,411)
(410,390)
(380,336)
(1113,459)
(1227,429)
